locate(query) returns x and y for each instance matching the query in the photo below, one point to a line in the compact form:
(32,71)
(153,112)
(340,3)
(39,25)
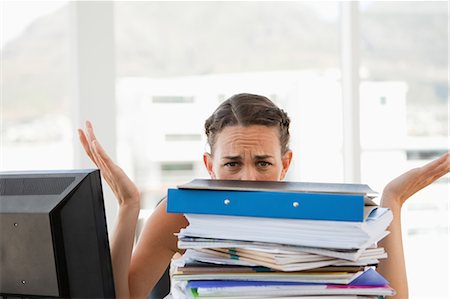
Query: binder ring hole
(227,201)
(295,204)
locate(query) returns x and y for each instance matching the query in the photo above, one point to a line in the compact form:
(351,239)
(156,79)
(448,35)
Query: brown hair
(248,109)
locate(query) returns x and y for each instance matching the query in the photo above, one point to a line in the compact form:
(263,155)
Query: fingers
(102,159)
(90,131)
(443,160)
(113,174)
(100,155)
(107,163)
(91,138)
(91,147)
(436,168)
(423,176)
(86,146)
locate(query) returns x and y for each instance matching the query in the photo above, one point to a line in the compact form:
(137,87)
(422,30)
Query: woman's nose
(249,174)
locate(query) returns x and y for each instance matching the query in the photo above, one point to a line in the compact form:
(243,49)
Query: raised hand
(401,188)
(125,190)
(394,195)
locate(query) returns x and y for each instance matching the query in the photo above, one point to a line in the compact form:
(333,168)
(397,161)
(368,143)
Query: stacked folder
(252,239)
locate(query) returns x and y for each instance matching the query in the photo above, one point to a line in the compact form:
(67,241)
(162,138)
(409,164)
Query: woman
(249,140)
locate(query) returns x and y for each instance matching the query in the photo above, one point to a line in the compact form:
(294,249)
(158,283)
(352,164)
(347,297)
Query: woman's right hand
(125,190)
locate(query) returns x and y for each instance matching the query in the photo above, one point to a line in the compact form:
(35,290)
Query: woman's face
(248,153)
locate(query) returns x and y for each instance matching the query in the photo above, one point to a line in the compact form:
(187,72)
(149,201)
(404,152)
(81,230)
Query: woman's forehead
(257,139)
(248,130)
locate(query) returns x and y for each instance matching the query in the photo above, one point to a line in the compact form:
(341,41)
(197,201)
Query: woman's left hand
(401,188)
(394,195)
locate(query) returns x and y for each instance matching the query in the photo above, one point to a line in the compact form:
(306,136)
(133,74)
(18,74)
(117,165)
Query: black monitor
(53,236)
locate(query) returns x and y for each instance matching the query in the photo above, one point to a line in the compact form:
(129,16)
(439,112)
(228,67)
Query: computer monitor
(53,236)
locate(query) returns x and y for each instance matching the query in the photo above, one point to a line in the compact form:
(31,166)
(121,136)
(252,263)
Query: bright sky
(17,15)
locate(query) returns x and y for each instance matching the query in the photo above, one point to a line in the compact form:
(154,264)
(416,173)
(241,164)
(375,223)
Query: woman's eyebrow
(262,157)
(233,158)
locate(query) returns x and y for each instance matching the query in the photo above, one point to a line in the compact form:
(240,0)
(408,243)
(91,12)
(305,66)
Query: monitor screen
(53,235)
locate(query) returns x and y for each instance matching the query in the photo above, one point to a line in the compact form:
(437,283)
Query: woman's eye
(232,164)
(264,164)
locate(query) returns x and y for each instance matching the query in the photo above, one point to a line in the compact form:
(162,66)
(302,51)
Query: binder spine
(292,205)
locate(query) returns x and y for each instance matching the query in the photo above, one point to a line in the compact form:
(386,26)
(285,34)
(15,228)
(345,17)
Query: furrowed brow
(232,158)
(262,157)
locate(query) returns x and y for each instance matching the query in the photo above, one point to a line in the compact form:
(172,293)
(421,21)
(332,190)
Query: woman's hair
(246,109)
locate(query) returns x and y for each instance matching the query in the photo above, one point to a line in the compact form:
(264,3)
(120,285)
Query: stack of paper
(278,239)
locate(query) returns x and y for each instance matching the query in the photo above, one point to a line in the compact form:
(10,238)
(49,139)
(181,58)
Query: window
(288,51)
(35,104)
(172,71)
(404,109)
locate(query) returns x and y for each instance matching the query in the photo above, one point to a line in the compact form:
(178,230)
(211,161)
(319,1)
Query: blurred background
(365,84)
